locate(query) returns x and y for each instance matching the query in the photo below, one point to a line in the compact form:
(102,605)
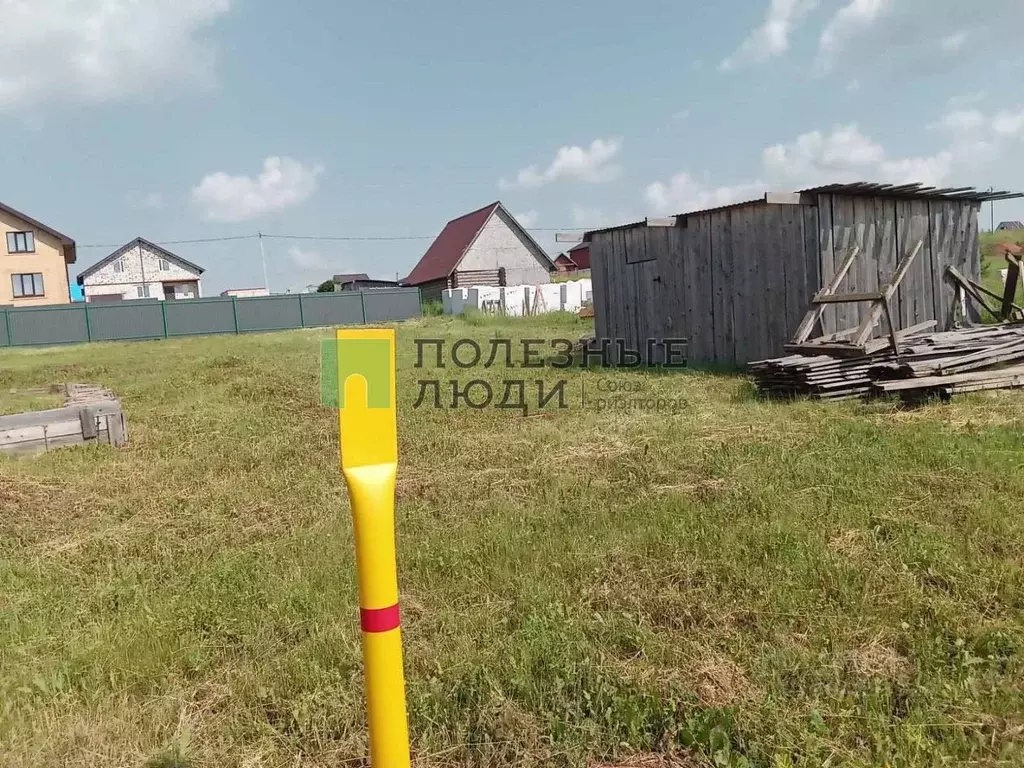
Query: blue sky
(189,119)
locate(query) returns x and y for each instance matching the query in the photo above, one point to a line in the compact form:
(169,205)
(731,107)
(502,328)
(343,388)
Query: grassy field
(723,581)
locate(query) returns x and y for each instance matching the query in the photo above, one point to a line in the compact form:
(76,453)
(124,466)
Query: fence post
(234,312)
(7,325)
(302,315)
(362,303)
(163,316)
(88,327)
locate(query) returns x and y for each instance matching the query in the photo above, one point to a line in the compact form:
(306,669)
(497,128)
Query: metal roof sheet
(856,189)
(912,191)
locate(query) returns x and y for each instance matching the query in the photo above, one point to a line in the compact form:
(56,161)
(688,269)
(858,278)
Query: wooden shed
(736,281)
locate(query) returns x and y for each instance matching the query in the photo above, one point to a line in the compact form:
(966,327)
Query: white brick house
(141,270)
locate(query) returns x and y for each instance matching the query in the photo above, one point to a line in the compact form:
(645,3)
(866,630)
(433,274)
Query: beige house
(141,270)
(34,263)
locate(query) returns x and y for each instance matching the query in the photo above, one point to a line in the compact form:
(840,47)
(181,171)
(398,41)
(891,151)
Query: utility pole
(263,257)
(992,211)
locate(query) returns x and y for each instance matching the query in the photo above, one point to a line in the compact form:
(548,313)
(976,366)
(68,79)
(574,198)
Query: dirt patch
(851,543)
(722,683)
(877,659)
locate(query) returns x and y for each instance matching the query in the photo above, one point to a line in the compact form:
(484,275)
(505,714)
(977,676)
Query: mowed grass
(726,581)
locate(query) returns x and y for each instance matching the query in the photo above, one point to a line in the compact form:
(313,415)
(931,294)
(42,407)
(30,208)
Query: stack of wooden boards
(926,365)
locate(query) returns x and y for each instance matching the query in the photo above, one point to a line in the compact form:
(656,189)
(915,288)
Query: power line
(338,237)
(341,238)
(173,242)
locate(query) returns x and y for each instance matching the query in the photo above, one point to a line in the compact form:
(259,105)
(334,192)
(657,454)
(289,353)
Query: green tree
(327,286)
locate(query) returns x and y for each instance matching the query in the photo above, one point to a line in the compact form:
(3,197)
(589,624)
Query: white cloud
(591,164)
(954,42)
(307,260)
(588,217)
(849,21)
(845,154)
(95,51)
(282,184)
(145,200)
(815,154)
(684,193)
(979,138)
(908,39)
(771,39)
(527,219)
(961,121)
(1008,124)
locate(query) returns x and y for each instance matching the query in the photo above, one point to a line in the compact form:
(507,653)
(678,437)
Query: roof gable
(67,243)
(448,248)
(140,242)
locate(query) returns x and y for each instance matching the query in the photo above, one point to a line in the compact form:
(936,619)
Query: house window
(118,267)
(21,242)
(27,285)
(165,265)
(143,291)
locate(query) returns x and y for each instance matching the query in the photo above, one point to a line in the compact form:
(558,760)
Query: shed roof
(913,191)
(857,189)
(66,242)
(348,277)
(447,250)
(131,244)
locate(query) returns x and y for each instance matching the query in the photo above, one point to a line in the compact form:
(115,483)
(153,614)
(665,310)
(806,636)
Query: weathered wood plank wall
(736,282)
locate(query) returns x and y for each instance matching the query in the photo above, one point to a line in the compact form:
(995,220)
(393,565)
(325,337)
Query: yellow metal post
(369,461)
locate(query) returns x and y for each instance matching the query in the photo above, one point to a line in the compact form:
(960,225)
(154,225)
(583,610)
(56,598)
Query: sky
(376,123)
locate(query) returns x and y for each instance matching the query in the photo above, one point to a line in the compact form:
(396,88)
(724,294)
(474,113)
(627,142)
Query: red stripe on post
(379,619)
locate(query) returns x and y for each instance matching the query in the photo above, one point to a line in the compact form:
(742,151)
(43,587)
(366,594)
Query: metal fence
(155,319)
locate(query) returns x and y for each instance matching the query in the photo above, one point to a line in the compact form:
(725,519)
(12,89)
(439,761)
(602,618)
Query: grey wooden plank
(827,253)
(34,418)
(905,293)
(599,284)
(690,301)
(768,263)
(844,227)
(722,270)
(884,251)
(673,277)
(920,229)
(734,237)
(812,260)
(616,286)
(795,267)
(661,272)
(973,249)
(636,243)
(703,289)
(867,261)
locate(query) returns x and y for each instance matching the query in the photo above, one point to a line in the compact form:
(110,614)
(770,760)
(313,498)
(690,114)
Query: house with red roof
(485,247)
(576,259)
